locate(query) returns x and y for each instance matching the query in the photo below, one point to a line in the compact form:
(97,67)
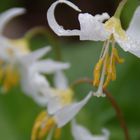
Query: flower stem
(51,39)
(120,8)
(118,113)
(113,103)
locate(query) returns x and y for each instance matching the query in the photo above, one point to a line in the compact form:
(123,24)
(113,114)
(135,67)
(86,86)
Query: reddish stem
(113,103)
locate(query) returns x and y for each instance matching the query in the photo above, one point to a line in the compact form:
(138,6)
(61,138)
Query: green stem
(120,8)
(51,39)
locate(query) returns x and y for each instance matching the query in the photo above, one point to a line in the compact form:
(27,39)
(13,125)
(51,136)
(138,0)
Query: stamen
(117,57)
(37,125)
(109,68)
(11,78)
(45,129)
(99,92)
(96,72)
(57,133)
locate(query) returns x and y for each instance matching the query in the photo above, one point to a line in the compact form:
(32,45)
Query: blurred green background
(18,112)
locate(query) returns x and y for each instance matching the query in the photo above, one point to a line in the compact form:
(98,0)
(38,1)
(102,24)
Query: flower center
(65,96)
(113,26)
(22,45)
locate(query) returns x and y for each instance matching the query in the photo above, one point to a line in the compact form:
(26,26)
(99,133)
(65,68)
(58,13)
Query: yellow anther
(49,123)
(11,78)
(117,57)
(113,77)
(37,125)
(96,72)
(1,74)
(57,133)
(110,71)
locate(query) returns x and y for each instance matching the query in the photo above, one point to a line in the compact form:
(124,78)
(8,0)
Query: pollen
(9,77)
(108,61)
(57,133)
(42,126)
(96,72)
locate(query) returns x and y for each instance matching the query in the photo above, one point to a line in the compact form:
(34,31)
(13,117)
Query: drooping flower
(60,108)
(81,133)
(9,52)
(18,63)
(102,28)
(31,68)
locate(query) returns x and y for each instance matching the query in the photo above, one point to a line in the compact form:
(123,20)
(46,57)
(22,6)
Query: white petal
(49,66)
(33,84)
(131,45)
(35,55)
(60,80)
(6,16)
(134,27)
(59,30)
(54,104)
(67,113)
(81,133)
(92,27)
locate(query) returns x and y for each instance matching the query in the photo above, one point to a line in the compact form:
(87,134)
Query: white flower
(18,63)
(10,50)
(102,28)
(60,104)
(94,28)
(33,82)
(81,133)
(61,108)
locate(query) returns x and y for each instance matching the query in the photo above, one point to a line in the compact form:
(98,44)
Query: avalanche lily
(61,109)
(31,68)
(19,64)
(10,51)
(81,133)
(102,28)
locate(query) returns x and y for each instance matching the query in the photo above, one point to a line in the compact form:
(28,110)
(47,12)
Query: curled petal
(68,112)
(60,80)
(8,15)
(59,30)
(81,133)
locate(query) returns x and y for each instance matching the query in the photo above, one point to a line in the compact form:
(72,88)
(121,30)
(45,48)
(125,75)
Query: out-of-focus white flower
(61,107)
(10,51)
(60,104)
(33,82)
(102,28)
(81,133)
(18,63)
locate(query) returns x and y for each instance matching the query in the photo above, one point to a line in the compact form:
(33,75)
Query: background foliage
(18,112)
